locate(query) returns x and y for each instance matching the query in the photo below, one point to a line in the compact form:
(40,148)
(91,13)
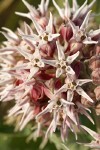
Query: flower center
(61,64)
(72,86)
(38,63)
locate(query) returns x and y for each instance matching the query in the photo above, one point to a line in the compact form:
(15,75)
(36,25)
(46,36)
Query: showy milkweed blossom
(51,70)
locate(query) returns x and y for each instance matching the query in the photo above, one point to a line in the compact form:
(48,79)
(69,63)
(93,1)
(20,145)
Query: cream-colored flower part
(62,63)
(44,35)
(77,11)
(33,12)
(70,86)
(34,61)
(81,34)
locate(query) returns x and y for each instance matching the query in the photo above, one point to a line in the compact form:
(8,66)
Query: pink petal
(70,95)
(81,92)
(71,58)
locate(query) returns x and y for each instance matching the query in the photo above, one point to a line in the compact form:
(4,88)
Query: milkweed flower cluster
(43,69)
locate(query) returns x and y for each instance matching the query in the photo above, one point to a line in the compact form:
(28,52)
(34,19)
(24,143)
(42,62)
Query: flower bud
(98,50)
(97,108)
(97,92)
(37,92)
(77,68)
(42,22)
(96,76)
(74,46)
(47,50)
(66,33)
(94,62)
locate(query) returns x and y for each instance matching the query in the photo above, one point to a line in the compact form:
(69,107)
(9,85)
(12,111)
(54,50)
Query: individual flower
(62,63)
(44,36)
(74,85)
(64,114)
(34,64)
(80,33)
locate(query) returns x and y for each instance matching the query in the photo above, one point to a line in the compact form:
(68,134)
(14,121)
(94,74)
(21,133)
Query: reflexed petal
(20,32)
(78,12)
(60,49)
(95,135)
(80,82)
(24,53)
(71,58)
(11,33)
(63,101)
(33,71)
(53,36)
(85,21)
(67,9)
(8,37)
(30,42)
(46,110)
(41,6)
(50,24)
(28,118)
(38,27)
(46,4)
(73,26)
(28,29)
(30,7)
(84,112)
(59,9)
(5,82)
(81,92)
(32,37)
(86,41)
(69,70)
(83,107)
(70,95)
(6,53)
(62,89)
(23,14)
(13,111)
(48,93)
(90,5)
(26,107)
(19,67)
(94,33)
(59,72)
(36,54)
(7,49)
(55,119)
(72,115)
(49,128)
(75,5)
(50,62)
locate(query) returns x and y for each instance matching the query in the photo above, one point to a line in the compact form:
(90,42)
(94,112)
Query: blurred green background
(10,140)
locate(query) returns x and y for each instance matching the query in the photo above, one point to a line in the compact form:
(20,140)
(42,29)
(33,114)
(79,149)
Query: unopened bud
(96,76)
(94,62)
(66,33)
(97,92)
